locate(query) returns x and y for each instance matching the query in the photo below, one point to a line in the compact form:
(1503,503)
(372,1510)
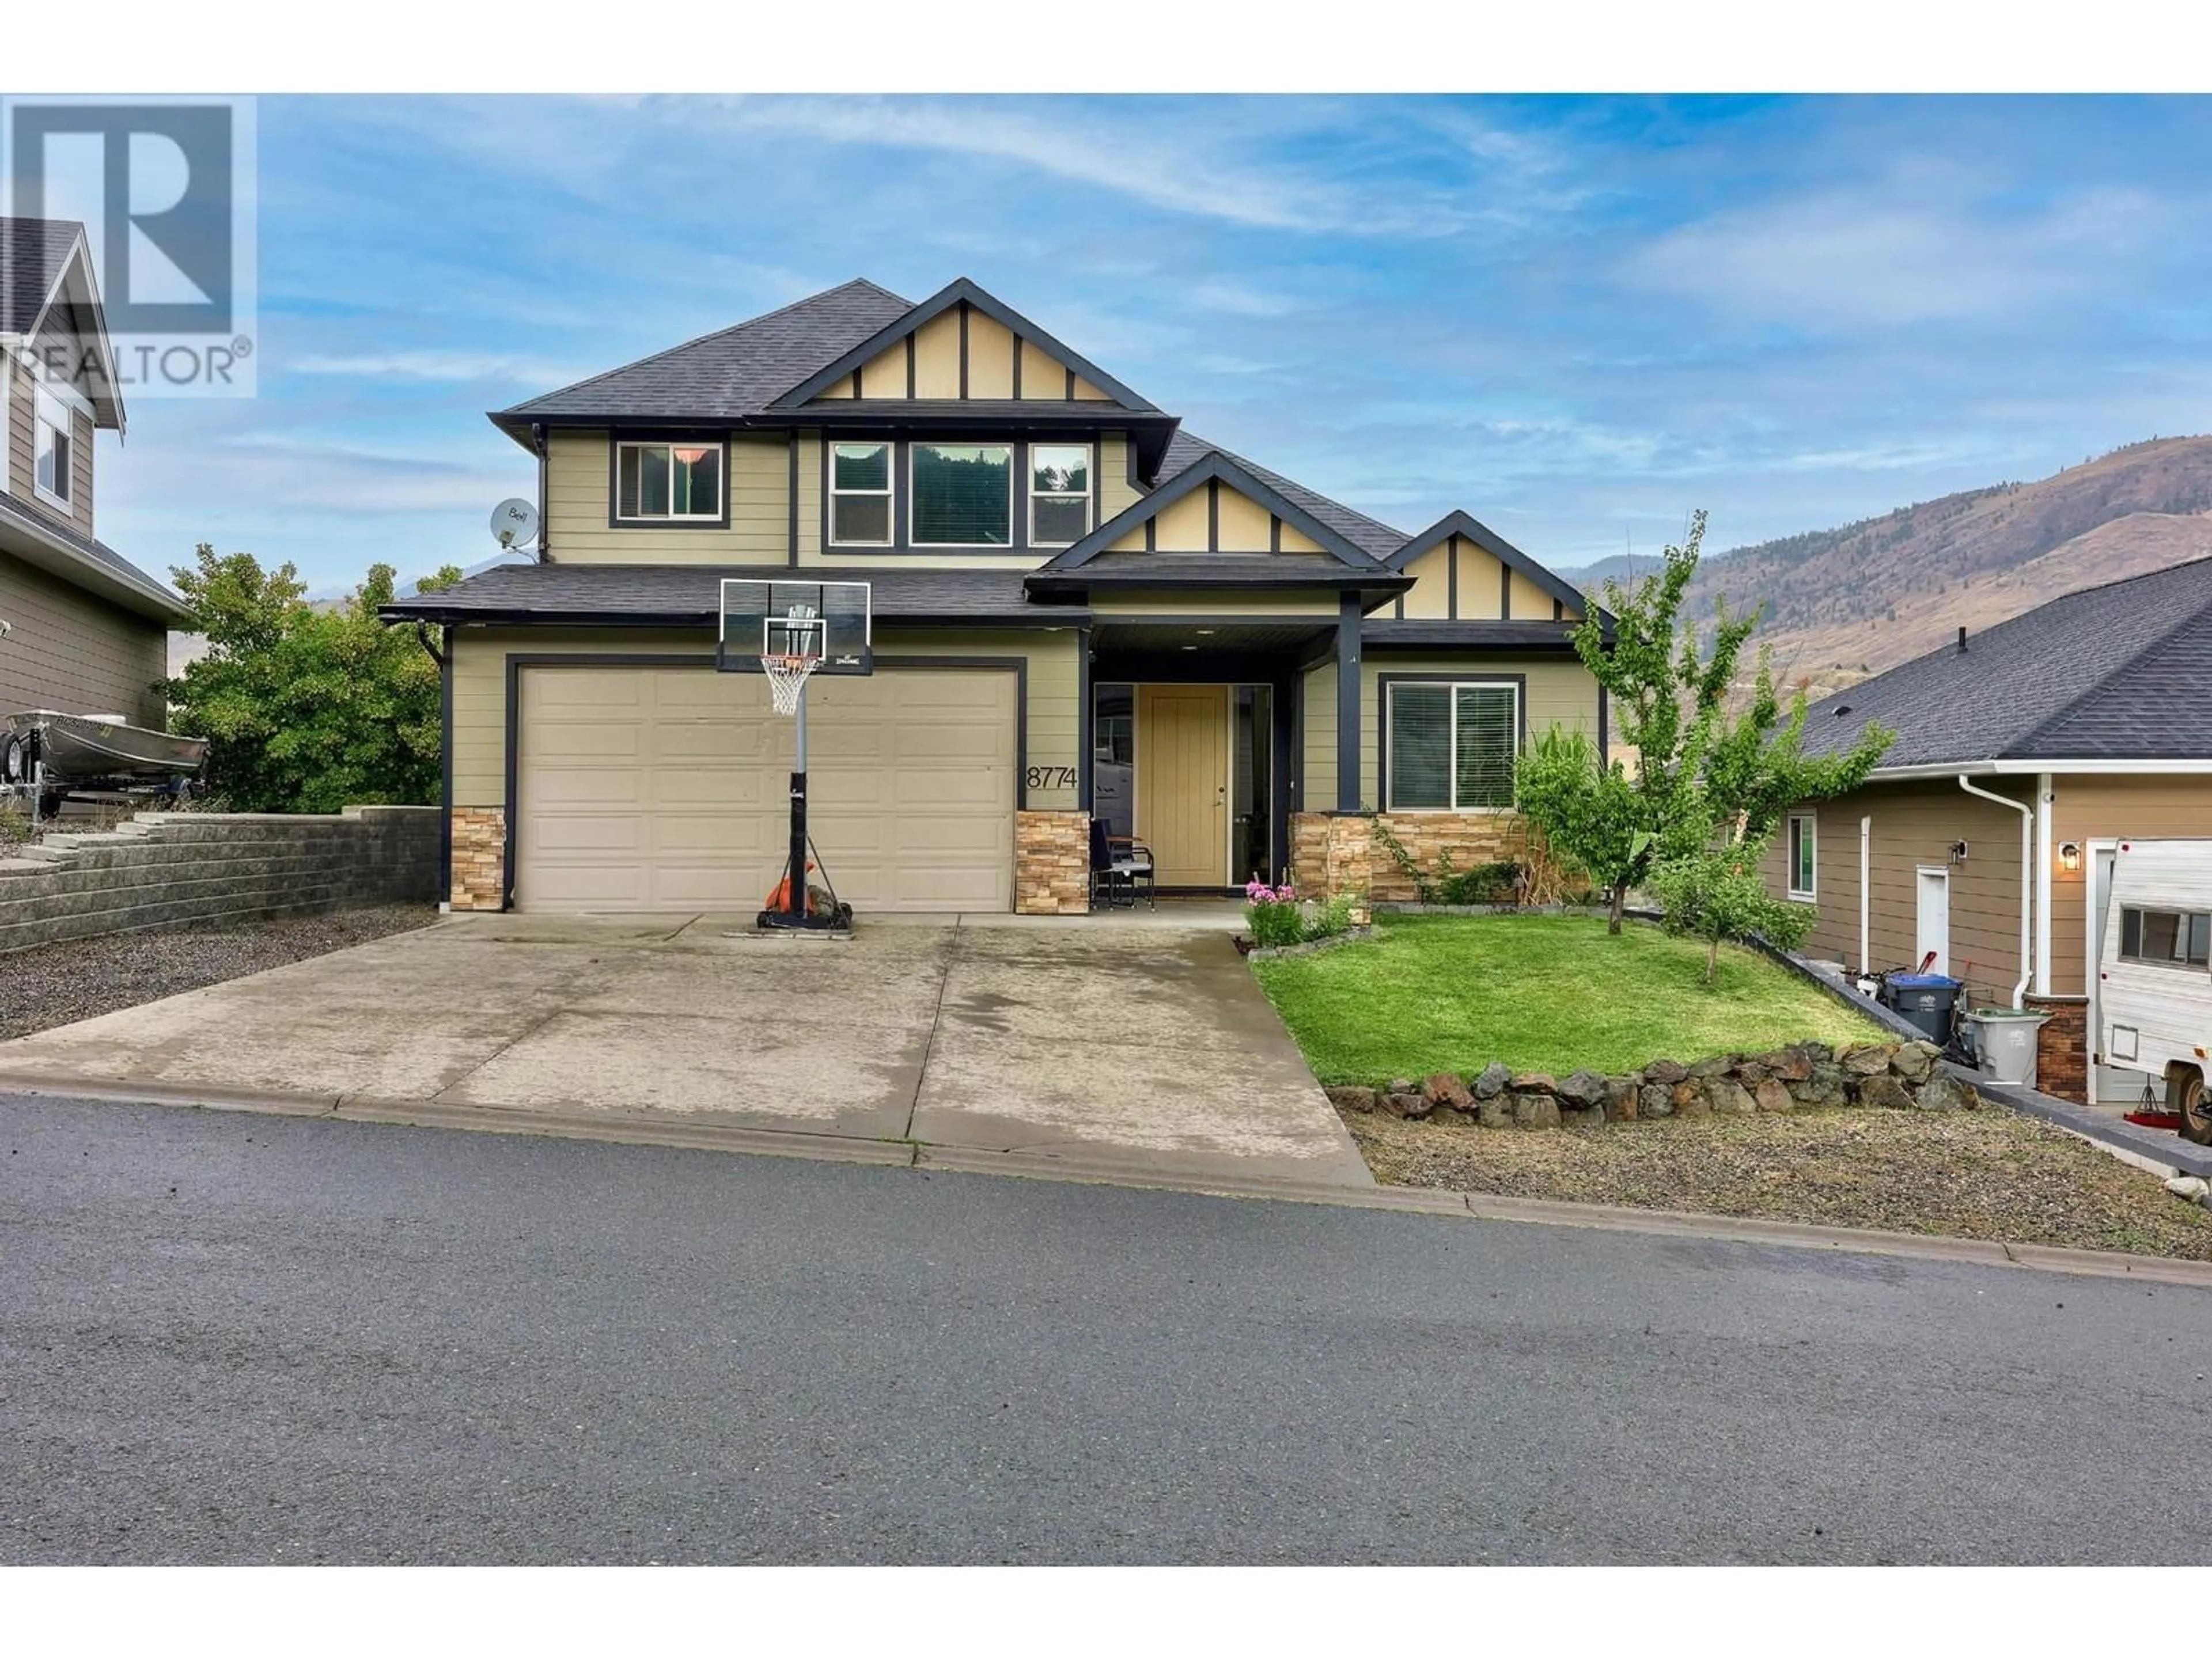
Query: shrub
(1278,916)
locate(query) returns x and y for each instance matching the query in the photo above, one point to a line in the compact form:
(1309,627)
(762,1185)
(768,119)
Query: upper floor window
(1451,746)
(2169,938)
(54,443)
(861,495)
(668,481)
(962,495)
(1804,858)
(1059,494)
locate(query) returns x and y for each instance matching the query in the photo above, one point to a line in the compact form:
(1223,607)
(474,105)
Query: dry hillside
(1843,604)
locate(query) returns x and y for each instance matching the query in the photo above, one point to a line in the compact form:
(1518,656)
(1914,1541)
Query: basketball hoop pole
(795,888)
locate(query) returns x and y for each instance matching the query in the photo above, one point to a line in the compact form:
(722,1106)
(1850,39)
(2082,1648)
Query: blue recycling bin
(1925,1000)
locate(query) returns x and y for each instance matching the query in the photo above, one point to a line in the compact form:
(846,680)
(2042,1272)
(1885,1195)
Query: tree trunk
(1620,902)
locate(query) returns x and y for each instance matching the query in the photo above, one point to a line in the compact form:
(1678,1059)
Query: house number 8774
(1051,777)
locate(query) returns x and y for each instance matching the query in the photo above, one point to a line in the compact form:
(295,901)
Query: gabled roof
(2123,671)
(1217,464)
(729,375)
(1371,536)
(86,562)
(1462,524)
(961,291)
(33,254)
(47,286)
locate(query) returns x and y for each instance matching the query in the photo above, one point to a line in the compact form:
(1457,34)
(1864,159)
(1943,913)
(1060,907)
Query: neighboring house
(1079,610)
(2090,719)
(89,630)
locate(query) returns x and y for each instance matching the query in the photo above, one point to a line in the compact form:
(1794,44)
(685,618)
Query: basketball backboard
(779,618)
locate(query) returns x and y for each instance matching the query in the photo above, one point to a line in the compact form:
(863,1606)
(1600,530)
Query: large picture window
(53,445)
(1451,745)
(668,483)
(861,495)
(1804,855)
(1059,494)
(963,496)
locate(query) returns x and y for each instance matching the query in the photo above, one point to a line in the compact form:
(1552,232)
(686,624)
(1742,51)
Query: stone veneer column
(479,858)
(1471,838)
(2062,1047)
(1052,863)
(1334,854)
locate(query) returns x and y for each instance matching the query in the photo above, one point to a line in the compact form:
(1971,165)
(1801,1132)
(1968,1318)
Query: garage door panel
(649,788)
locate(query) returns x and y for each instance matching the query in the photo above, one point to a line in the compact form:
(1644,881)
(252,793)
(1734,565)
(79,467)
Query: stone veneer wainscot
(479,858)
(1052,862)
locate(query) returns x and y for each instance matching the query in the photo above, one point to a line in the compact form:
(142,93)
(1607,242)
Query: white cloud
(428,365)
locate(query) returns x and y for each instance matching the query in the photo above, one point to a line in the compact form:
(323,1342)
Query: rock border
(1803,1077)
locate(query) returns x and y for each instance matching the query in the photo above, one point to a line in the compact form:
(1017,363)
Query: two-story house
(88,630)
(1080,610)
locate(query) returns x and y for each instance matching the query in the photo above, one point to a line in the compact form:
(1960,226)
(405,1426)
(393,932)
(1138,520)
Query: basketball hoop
(787,679)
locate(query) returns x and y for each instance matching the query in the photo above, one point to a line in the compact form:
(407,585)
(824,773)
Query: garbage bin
(1926,1000)
(2005,1041)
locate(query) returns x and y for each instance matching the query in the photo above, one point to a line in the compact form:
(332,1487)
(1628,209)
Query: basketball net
(787,679)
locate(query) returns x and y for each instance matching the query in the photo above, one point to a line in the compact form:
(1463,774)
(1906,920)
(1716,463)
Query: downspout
(2026,877)
(544,536)
(2043,816)
(1866,871)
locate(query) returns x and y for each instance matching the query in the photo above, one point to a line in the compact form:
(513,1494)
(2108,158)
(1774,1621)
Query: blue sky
(1576,318)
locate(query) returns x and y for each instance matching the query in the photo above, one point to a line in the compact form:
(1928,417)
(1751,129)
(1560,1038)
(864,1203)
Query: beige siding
(18,384)
(1430,597)
(884,375)
(1230,603)
(21,458)
(937,356)
(1181,526)
(1044,378)
(1116,495)
(73,651)
(1530,602)
(1296,541)
(1559,692)
(1086,392)
(1914,825)
(810,497)
(990,357)
(1480,598)
(1319,794)
(578,480)
(2085,809)
(479,738)
(1244,524)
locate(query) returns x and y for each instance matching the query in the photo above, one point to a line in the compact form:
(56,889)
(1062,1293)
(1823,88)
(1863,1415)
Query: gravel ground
(1991,1174)
(59,984)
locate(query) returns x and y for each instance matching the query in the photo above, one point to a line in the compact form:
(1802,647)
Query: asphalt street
(235,1338)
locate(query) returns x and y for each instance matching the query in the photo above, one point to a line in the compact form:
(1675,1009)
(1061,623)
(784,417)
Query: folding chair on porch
(1118,865)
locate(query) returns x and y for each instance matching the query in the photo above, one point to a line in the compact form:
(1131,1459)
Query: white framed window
(861,495)
(1451,745)
(668,483)
(1059,494)
(53,442)
(961,495)
(1804,849)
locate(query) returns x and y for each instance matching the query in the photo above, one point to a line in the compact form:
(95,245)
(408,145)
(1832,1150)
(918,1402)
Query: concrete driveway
(1136,1044)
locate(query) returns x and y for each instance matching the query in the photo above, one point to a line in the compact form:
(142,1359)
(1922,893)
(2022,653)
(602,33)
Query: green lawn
(1542,994)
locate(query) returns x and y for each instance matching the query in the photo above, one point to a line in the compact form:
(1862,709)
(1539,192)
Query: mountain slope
(1840,605)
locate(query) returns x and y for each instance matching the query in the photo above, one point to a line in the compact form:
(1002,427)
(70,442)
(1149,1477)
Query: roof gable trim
(1215,466)
(1457,523)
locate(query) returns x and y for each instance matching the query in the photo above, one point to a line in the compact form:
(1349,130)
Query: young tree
(1590,812)
(308,709)
(1717,892)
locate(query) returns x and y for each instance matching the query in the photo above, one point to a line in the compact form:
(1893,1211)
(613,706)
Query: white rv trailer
(2154,973)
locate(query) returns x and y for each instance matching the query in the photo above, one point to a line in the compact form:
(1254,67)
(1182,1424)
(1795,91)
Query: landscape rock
(1668,1071)
(1495,1111)
(1444,1089)
(1409,1105)
(1914,1060)
(1440,1113)
(1535,1111)
(1352,1099)
(1622,1097)
(1774,1095)
(1885,1092)
(2193,1189)
(1718,1065)
(1730,1098)
(1493,1081)
(1534,1082)
(1750,1073)
(1691,1099)
(1581,1091)
(1655,1100)
(1866,1059)
(1791,1064)
(1582,1117)
(1943,1093)
(1404,1085)
(1816,1052)
(1826,1087)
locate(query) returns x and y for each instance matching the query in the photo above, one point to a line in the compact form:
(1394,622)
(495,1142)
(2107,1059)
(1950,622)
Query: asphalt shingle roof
(31,254)
(684,595)
(735,372)
(2120,672)
(158,599)
(1370,536)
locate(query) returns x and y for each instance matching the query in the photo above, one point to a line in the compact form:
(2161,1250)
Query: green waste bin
(2005,1041)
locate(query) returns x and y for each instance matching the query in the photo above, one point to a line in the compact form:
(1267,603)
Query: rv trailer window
(2167,938)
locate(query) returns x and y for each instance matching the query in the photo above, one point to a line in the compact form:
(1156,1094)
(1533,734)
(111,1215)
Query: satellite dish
(515,524)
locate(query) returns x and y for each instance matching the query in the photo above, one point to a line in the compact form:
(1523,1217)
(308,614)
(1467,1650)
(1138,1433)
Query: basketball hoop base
(836,920)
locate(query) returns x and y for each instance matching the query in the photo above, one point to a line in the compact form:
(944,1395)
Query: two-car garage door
(665,789)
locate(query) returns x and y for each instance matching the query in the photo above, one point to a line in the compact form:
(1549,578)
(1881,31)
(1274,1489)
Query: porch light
(2070,854)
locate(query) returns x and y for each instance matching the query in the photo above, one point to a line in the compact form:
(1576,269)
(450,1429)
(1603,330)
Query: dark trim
(1045,616)
(1347,703)
(910,373)
(544,539)
(519,660)
(1451,581)
(1152,535)
(1274,533)
(1214,515)
(1398,613)
(1280,761)
(1604,725)
(902,492)
(1383,685)
(1297,798)
(791,489)
(618,436)
(1504,592)
(1018,365)
(1018,526)
(1071,386)
(964,350)
(1217,468)
(1086,720)
(446,771)
(1559,610)
(961,291)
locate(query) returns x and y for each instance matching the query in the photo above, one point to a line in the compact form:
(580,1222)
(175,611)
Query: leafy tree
(307,707)
(1756,767)
(1717,892)
(1590,812)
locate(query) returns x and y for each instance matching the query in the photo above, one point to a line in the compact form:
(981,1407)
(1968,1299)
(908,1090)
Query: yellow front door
(1182,782)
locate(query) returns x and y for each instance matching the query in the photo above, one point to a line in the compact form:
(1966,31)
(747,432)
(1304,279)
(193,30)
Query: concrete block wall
(163,868)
